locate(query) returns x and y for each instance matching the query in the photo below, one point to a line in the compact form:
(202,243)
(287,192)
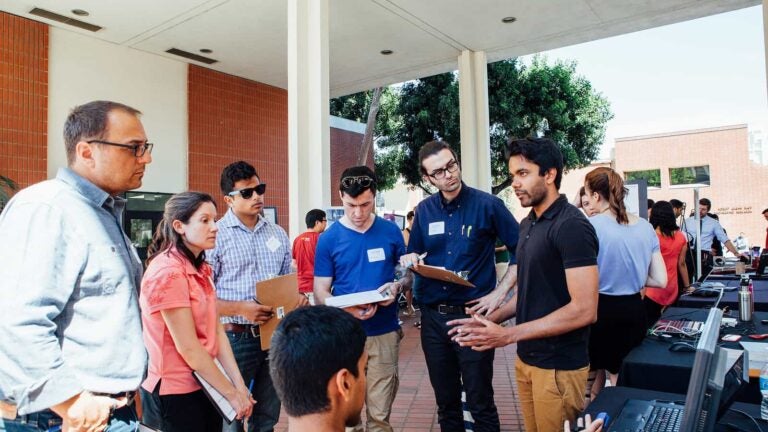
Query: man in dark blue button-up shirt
(457,228)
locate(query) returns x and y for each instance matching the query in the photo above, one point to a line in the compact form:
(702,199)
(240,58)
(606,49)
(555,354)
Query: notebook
(219,401)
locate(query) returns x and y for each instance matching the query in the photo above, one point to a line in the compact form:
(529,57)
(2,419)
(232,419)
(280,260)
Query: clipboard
(441,274)
(282,294)
(218,400)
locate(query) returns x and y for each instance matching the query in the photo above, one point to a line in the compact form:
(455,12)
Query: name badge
(436,228)
(273,244)
(376,255)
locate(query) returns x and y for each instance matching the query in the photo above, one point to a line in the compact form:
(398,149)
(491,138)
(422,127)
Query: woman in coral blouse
(181,327)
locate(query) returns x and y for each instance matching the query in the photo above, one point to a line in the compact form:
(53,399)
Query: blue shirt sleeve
(323,260)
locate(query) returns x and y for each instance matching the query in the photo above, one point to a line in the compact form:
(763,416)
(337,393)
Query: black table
(612,399)
(652,366)
(730,299)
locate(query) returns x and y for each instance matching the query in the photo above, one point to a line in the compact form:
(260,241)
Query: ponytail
(610,186)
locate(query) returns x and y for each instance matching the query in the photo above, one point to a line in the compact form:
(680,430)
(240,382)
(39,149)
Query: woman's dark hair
(179,207)
(610,186)
(663,218)
(582,192)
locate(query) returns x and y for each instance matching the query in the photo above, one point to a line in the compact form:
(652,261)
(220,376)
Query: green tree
(7,188)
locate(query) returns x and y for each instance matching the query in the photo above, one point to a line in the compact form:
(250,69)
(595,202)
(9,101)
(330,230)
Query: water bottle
(764,392)
(745,300)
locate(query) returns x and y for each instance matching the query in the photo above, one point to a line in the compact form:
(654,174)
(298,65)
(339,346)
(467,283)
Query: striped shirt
(243,257)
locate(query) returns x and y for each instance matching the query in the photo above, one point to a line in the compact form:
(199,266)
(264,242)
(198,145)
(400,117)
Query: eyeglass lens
(363,181)
(247,193)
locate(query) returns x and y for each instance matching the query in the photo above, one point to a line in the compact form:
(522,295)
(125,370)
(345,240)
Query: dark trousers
(652,311)
(189,412)
(449,367)
(254,365)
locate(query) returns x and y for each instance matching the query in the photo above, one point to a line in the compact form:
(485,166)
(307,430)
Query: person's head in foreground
(317,364)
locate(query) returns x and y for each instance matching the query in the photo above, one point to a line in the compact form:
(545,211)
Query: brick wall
(233,119)
(23,99)
(737,191)
(345,146)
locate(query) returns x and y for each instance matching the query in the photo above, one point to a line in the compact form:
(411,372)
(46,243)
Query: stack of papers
(356,299)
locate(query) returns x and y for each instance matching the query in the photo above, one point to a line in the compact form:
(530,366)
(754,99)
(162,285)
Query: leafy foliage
(539,99)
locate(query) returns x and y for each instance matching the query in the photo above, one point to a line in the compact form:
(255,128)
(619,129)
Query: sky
(702,73)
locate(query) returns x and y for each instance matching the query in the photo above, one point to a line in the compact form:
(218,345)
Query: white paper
(375,255)
(273,243)
(436,228)
(361,298)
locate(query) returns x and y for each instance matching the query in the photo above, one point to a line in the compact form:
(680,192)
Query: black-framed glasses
(363,181)
(439,173)
(247,193)
(138,149)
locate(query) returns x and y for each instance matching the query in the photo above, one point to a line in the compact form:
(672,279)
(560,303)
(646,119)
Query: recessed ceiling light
(206,50)
(508,20)
(80,12)
(386,52)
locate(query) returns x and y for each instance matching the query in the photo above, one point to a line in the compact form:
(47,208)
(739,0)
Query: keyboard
(664,419)
(677,327)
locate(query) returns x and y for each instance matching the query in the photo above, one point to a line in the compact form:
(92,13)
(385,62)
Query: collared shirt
(243,257)
(172,281)
(561,238)
(460,235)
(710,229)
(69,312)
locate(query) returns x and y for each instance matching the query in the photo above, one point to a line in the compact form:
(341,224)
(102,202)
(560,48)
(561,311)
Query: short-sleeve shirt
(304,253)
(170,282)
(625,254)
(460,235)
(710,230)
(242,257)
(670,251)
(560,239)
(360,262)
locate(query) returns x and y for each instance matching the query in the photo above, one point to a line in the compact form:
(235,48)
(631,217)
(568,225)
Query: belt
(242,328)
(129,396)
(446,309)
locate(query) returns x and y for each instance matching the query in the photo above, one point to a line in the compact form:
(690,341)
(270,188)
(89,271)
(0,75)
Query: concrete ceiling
(248,37)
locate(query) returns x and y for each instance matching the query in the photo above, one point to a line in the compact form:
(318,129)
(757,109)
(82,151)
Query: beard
(534,197)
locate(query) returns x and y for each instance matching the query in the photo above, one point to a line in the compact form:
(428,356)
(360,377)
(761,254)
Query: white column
(765,38)
(473,111)
(309,165)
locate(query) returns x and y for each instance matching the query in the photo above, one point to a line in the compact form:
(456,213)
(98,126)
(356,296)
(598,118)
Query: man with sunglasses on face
(71,350)
(457,228)
(249,249)
(359,253)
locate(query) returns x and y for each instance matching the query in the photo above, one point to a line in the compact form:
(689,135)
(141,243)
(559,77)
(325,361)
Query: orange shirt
(670,251)
(171,281)
(304,253)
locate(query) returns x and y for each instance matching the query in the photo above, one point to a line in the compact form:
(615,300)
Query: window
(689,176)
(652,176)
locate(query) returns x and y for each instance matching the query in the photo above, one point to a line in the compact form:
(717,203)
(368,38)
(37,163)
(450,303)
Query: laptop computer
(711,391)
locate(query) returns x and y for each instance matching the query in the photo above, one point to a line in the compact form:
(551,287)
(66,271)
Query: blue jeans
(122,420)
(254,365)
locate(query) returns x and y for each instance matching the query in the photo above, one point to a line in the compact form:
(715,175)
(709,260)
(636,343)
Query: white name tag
(273,244)
(436,228)
(376,255)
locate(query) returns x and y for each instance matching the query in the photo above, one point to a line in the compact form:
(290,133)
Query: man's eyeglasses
(439,173)
(138,149)
(247,193)
(363,181)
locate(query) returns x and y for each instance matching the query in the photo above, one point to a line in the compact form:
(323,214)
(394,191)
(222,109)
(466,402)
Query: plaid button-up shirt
(243,257)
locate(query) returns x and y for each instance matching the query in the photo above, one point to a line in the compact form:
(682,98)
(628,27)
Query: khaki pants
(548,397)
(382,380)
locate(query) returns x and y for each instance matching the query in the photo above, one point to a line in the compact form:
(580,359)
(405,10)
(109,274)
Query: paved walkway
(414,409)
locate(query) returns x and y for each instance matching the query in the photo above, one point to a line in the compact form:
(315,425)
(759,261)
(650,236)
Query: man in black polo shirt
(557,293)
(457,228)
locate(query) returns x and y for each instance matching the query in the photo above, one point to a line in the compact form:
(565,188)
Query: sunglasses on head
(363,181)
(247,193)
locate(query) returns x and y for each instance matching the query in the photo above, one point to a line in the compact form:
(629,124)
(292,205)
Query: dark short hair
(764,211)
(314,216)
(651,203)
(89,121)
(432,148)
(356,188)
(410,215)
(663,218)
(676,203)
(541,151)
(309,346)
(706,202)
(235,172)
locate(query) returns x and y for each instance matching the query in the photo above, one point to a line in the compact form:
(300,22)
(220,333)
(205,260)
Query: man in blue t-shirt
(360,254)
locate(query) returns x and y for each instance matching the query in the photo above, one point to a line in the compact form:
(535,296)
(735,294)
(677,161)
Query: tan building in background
(737,189)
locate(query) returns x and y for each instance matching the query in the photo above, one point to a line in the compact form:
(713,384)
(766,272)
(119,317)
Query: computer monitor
(762,263)
(712,386)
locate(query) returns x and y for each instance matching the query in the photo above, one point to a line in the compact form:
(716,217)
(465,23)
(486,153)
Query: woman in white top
(629,259)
